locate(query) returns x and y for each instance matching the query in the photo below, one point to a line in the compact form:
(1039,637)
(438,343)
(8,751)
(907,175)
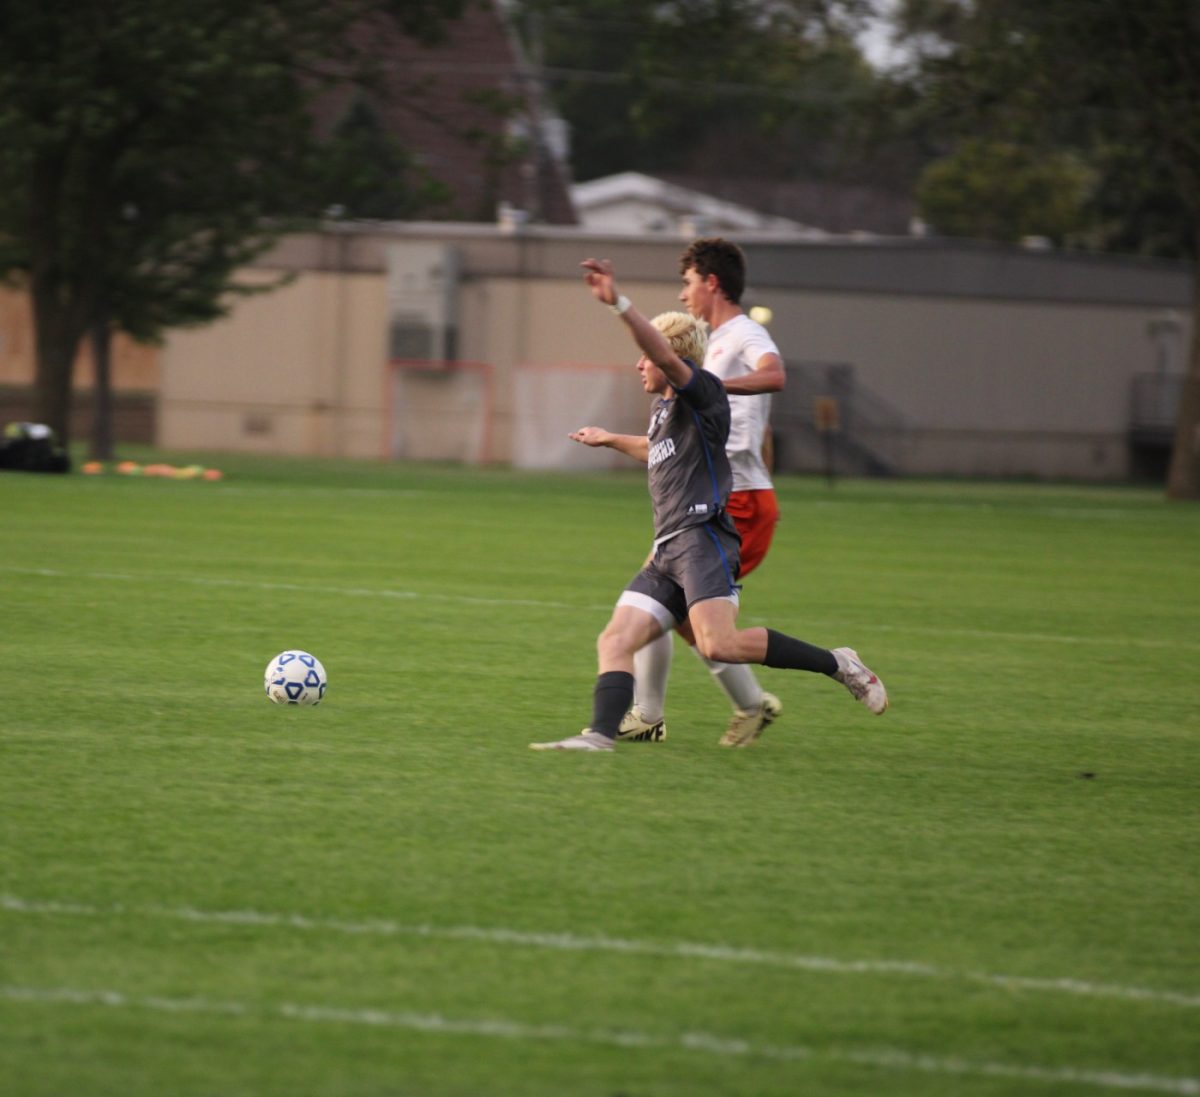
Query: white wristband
(622,305)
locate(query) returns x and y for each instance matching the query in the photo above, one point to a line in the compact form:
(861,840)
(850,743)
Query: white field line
(1037,637)
(470,600)
(705,1043)
(303,588)
(568,942)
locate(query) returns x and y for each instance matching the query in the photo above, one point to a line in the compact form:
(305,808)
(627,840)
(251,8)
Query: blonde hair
(687,335)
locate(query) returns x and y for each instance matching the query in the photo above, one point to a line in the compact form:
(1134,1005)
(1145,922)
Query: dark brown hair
(715,255)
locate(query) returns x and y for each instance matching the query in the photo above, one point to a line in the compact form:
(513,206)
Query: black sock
(788,653)
(610,701)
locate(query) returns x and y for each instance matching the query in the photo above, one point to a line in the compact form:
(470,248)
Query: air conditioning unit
(423,301)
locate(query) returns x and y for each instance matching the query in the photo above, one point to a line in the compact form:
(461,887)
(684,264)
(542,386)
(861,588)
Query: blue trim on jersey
(712,472)
(708,458)
(733,587)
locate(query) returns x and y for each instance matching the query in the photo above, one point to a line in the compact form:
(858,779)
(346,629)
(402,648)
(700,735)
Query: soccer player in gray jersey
(690,580)
(743,355)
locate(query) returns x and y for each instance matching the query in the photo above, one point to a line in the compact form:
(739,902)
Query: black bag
(32,447)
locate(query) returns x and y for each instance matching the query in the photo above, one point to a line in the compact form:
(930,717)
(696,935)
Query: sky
(875,42)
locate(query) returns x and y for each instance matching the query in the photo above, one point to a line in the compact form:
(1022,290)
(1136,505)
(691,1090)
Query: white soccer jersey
(733,350)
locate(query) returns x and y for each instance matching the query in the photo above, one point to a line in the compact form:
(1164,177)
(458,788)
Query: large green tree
(1112,84)
(151,147)
(998,190)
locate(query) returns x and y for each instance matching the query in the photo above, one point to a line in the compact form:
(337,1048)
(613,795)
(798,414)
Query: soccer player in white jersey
(744,356)
(689,582)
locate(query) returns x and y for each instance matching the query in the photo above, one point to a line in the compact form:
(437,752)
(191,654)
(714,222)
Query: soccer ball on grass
(295,678)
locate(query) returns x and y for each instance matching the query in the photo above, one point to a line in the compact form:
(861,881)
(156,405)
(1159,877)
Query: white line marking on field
(572,943)
(314,489)
(303,588)
(1035,637)
(1123,641)
(1109,512)
(706,1043)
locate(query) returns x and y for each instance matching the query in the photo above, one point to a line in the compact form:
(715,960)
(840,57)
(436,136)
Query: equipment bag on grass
(32,447)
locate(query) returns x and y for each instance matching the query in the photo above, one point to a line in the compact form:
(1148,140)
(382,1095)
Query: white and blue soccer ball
(295,678)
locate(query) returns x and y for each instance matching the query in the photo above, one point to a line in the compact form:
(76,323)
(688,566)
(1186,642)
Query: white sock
(651,666)
(738,682)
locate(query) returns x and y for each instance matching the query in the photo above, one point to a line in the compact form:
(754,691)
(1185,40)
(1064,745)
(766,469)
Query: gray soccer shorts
(693,566)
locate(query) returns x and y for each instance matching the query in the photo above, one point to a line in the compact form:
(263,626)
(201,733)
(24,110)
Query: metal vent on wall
(423,284)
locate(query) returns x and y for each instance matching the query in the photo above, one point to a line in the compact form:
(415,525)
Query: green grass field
(993,889)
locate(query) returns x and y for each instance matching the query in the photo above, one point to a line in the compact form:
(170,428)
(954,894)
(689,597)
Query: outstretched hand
(601,280)
(591,436)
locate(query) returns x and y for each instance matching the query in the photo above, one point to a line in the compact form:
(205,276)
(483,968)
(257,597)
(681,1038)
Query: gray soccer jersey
(689,472)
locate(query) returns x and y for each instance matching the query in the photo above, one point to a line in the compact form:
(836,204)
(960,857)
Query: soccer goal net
(461,412)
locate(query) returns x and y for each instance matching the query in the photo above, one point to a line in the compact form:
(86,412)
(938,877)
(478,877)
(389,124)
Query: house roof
(465,109)
(632,202)
(831,207)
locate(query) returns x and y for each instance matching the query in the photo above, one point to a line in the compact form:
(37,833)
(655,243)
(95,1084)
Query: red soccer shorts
(755,513)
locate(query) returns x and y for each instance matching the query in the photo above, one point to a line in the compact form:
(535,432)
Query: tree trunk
(59,313)
(102,420)
(1183,479)
(57,341)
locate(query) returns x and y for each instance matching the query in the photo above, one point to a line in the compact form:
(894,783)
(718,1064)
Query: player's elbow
(769,374)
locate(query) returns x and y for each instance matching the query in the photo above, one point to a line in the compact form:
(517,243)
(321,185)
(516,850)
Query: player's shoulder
(703,385)
(736,346)
(741,331)
(742,323)
(753,331)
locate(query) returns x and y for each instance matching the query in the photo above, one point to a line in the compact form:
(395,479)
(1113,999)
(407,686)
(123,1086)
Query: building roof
(466,109)
(838,208)
(631,202)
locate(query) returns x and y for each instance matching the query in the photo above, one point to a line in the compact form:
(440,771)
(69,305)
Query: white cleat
(860,680)
(745,727)
(585,740)
(636,729)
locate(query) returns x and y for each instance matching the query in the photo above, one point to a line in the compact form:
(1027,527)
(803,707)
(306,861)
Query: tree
(151,147)
(767,87)
(1113,83)
(366,173)
(1002,191)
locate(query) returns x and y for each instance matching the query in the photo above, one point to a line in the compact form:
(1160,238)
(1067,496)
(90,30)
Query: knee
(612,643)
(712,647)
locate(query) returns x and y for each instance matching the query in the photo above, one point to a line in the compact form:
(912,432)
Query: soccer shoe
(745,727)
(585,740)
(860,680)
(634,729)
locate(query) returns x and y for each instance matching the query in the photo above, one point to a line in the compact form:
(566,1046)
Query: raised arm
(653,344)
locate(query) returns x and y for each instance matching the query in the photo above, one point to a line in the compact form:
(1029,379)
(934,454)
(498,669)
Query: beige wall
(299,370)
(1025,372)
(134,368)
(988,388)
(1001,362)
(977,365)
(512,323)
